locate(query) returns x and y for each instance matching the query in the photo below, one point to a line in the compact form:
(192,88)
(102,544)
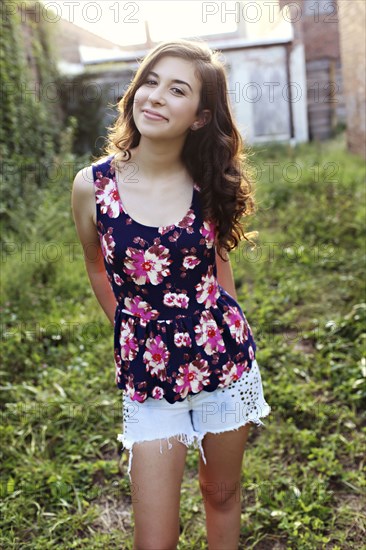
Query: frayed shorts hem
(188,440)
(195,440)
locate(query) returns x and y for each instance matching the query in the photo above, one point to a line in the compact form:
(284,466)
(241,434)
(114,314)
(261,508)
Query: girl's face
(165,105)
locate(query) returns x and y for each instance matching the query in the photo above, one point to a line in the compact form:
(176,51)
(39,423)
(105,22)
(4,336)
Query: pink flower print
(169,299)
(128,341)
(157,393)
(165,229)
(192,377)
(132,392)
(182,300)
(174,237)
(232,371)
(188,219)
(137,306)
(208,334)
(237,325)
(173,299)
(208,231)
(118,367)
(156,357)
(251,353)
(182,339)
(242,367)
(107,196)
(147,266)
(107,245)
(208,290)
(117,279)
(139,396)
(191,261)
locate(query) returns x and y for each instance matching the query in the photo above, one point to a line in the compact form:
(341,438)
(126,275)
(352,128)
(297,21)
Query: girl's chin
(160,133)
(156,134)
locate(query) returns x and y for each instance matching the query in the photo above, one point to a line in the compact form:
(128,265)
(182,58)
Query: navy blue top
(176,330)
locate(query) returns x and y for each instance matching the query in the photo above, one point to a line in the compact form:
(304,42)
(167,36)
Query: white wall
(300,102)
(258,93)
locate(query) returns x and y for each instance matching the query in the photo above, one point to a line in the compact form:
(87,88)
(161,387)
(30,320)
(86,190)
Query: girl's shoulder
(83,199)
(83,193)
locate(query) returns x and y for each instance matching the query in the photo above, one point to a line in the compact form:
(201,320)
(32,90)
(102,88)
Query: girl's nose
(156,95)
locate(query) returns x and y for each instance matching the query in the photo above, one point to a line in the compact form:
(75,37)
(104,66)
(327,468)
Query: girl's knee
(221,495)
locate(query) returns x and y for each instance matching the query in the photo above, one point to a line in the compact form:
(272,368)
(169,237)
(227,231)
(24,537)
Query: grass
(64,479)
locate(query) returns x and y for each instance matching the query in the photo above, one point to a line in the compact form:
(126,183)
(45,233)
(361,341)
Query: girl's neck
(156,159)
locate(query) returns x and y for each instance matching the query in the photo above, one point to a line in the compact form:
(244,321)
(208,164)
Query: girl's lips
(153,116)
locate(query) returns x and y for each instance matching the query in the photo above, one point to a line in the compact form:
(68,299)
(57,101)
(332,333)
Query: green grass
(64,480)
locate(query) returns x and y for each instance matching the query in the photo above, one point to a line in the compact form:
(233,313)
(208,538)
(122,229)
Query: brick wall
(352,16)
(317,22)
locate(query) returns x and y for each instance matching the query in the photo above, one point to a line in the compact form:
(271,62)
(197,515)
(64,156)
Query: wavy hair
(213,155)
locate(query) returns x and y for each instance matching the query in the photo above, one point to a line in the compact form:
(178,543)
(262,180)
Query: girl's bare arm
(83,206)
(225,275)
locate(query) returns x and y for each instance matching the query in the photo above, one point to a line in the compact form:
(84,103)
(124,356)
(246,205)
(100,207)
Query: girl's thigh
(220,476)
(156,480)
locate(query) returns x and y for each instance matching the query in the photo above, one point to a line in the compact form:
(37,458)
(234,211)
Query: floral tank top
(177,332)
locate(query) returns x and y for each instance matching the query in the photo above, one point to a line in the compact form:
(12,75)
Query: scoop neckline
(176,224)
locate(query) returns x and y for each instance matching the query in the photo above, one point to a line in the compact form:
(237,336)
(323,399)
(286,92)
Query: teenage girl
(156,218)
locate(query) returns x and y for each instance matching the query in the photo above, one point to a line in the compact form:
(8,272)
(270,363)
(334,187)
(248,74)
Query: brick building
(316,25)
(352,17)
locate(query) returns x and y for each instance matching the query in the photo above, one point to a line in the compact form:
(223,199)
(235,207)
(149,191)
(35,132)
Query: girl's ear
(203,119)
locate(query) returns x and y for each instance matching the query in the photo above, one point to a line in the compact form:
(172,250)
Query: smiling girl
(163,208)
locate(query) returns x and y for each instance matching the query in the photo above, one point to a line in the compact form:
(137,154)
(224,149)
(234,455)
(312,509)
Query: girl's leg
(220,483)
(156,486)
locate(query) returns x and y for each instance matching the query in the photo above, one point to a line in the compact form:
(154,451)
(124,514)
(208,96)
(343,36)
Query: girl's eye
(152,82)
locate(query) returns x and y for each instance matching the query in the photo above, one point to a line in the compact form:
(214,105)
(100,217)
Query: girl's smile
(153,115)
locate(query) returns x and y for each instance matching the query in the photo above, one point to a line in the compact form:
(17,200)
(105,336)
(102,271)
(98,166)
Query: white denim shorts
(189,420)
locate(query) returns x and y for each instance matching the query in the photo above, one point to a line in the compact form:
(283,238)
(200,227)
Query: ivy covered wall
(32,118)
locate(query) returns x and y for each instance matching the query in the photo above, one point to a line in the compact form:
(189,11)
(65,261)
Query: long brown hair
(213,155)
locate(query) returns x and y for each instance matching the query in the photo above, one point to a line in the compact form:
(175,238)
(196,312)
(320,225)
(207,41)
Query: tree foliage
(31,126)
